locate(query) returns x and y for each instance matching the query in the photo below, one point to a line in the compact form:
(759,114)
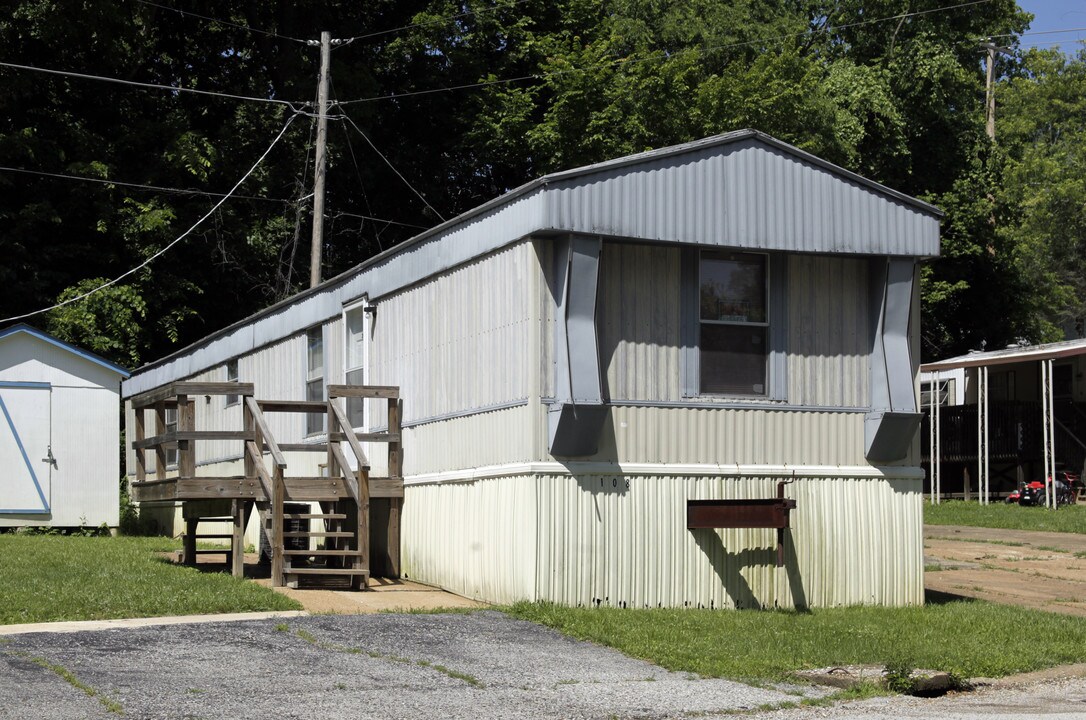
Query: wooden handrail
(348,432)
(262,428)
(258,464)
(172,390)
(369,391)
(345,471)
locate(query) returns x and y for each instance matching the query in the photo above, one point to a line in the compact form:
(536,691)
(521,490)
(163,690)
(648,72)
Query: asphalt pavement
(478,665)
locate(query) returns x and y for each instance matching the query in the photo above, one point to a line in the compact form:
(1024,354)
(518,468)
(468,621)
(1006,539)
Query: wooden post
(160,449)
(395,470)
(190,540)
(277,527)
(141,454)
(249,426)
(186,449)
(237,541)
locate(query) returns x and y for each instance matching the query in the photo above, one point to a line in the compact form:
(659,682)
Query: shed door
(25,453)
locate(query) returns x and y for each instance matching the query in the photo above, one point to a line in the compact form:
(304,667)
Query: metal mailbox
(770,513)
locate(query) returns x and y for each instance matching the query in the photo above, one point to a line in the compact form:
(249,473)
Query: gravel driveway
(480,665)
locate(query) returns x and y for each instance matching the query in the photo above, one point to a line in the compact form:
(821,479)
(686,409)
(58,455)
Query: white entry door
(26,459)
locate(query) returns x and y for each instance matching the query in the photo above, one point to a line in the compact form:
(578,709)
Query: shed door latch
(49,457)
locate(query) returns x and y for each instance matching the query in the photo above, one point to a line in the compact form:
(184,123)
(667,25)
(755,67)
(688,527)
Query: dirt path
(1042,570)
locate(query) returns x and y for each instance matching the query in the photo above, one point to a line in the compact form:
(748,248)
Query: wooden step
(322,533)
(324,571)
(201,536)
(315,553)
(314,516)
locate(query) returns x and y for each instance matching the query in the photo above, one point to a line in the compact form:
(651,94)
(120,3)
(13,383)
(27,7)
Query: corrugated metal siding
(829,344)
(639,321)
(851,542)
(459,341)
(476,539)
(744,194)
(737,191)
(728,436)
(640,324)
(594,540)
(491,438)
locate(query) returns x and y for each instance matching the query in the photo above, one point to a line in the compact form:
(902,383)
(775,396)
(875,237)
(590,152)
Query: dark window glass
(733,316)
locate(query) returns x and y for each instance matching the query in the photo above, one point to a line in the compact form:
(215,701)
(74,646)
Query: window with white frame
(733,323)
(232,376)
(314,379)
(355,374)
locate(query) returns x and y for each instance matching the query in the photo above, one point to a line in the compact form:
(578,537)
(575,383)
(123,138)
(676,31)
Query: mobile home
(580,360)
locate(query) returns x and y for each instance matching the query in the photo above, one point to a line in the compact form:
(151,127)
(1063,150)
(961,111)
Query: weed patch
(69,677)
(455,674)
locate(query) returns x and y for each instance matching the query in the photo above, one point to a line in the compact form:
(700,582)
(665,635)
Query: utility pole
(318,179)
(989,95)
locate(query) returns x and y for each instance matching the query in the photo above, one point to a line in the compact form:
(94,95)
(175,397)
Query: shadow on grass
(935,597)
(253,571)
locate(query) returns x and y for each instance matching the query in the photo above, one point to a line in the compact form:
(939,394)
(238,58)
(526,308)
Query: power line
(387,162)
(438,21)
(178,239)
(139,186)
(152,86)
(247,28)
(383,220)
(658,56)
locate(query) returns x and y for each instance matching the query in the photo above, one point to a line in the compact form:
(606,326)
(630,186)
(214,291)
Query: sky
(1055,15)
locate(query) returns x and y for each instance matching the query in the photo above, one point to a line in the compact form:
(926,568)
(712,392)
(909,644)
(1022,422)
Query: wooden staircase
(331,546)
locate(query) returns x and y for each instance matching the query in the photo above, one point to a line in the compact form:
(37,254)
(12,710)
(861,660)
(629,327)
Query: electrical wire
(383,220)
(658,56)
(178,239)
(138,186)
(294,106)
(393,167)
(247,28)
(438,21)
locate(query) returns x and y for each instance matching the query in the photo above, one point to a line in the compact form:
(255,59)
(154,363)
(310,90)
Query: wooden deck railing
(272,485)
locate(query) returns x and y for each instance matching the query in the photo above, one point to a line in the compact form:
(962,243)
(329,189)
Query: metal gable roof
(742,189)
(23,328)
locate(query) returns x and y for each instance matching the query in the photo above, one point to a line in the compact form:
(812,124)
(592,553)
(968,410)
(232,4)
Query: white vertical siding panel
(457,342)
(851,542)
(476,539)
(639,321)
(829,344)
(479,440)
(728,436)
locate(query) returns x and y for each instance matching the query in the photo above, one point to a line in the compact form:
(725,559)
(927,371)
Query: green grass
(968,638)
(47,578)
(1068,519)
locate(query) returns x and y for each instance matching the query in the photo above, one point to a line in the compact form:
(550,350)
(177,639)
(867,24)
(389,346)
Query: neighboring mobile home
(582,357)
(59,433)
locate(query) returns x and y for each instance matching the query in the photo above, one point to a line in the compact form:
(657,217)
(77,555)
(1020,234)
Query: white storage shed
(59,433)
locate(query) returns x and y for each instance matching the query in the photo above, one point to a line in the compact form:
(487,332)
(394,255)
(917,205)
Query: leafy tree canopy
(468,99)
